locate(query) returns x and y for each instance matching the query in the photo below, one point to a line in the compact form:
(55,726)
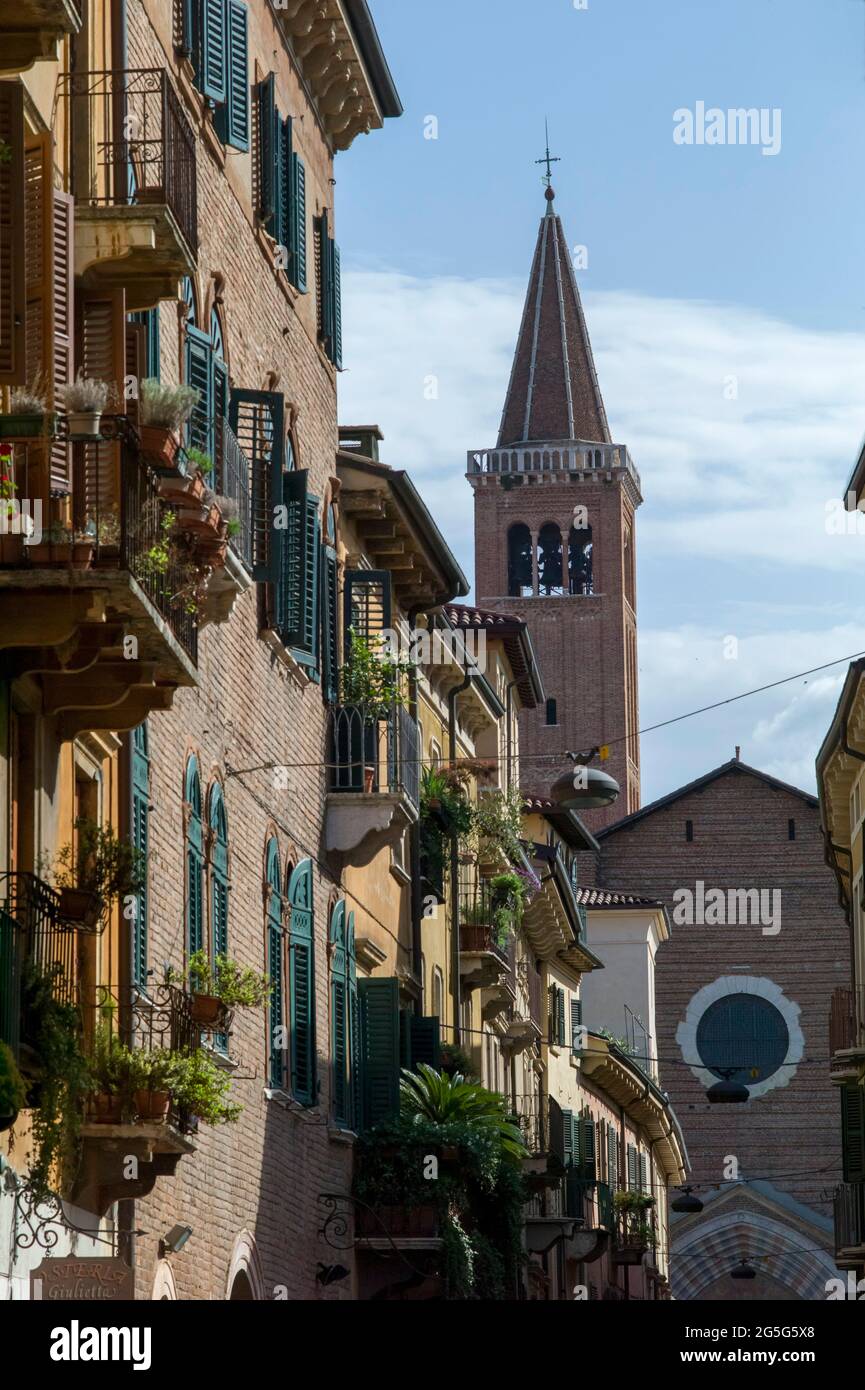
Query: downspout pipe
(416,900)
(453,696)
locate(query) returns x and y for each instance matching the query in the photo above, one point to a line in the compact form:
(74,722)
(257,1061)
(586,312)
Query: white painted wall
(626,941)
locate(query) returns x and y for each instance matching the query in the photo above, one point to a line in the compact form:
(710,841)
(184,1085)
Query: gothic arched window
(550,581)
(580,551)
(520,581)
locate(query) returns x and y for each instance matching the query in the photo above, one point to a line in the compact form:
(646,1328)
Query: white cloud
(736,490)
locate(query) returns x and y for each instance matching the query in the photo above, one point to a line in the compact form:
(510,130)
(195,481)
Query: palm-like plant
(444,1099)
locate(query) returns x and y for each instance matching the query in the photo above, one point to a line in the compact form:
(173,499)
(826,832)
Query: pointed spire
(553,392)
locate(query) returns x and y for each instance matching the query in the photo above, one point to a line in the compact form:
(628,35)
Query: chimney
(738,753)
(361,439)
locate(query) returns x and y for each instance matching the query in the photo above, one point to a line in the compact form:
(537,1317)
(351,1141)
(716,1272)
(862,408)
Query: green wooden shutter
(325,280)
(576,1023)
(284,234)
(631,1167)
(268,151)
(13,280)
(560,1019)
(302,984)
(339,1016)
(426,1041)
(613,1157)
(298,223)
(568,1125)
(644,1173)
(275,970)
(380,1049)
(589,1164)
(354,1041)
(552,1004)
(140,833)
(232,119)
(211,68)
(297,599)
(194,860)
(149,319)
(257,418)
(330,625)
(337,308)
(853,1132)
(199,374)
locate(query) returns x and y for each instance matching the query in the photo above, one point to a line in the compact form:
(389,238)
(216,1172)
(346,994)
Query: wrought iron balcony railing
(542,1126)
(34,935)
(231,479)
(373,751)
(130,143)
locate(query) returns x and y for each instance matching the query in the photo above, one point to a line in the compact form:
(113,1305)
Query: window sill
(221,1059)
(400,874)
(346,1137)
(298,673)
(288,1102)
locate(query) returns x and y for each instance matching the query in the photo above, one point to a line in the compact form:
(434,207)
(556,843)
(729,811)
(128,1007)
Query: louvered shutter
(426,1041)
(258,420)
(232,119)
(339,1015)
(632,1168)
(211,72)
(326,326)
(644,1173)
(380,1044)
(140,838)
(577,1140)
(102,329)
(853,1132)
(568,1122)
(284,132)
(337,307)
(560,1020)
(298,223)
(552,1004)
(576,1024)
(297,600)
(194,922)
(589,1164)
(302,985)
(13,279)
(612,1158)
(354,1040)
(220,415)
(367,604)
(199,374)
(330,625)
(268,155)
(276,1001)
(136,361)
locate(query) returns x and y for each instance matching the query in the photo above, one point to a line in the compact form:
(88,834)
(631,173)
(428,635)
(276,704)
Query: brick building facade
(754,993)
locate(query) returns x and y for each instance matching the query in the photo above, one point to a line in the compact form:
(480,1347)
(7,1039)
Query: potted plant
(163,410)
(200,1087)
(111,1070)
(13,1092)
(96,872)
(62,546)
(85,400)
(222,986)
(60,1071)
(151,1084)
(29,416)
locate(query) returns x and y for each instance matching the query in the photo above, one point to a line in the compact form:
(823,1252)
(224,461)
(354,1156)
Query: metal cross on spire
(548,159)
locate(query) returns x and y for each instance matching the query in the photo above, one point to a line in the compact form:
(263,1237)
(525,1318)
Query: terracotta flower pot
(152,1105)
(105,1109)
(207,1010)
(59,553)
(160,446)
(79,905)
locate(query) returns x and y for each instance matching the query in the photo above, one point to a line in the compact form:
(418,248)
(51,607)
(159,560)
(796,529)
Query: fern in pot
(85,400)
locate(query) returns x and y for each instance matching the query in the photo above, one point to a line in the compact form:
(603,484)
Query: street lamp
(743,1270)
(687,1202)
(727,1092)
(586,787)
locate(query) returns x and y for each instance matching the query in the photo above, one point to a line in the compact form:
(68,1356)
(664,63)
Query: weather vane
(548,159)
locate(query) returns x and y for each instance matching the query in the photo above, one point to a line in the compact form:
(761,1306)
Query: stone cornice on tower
(553,392)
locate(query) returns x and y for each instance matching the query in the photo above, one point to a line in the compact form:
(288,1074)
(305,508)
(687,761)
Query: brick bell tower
(555,510)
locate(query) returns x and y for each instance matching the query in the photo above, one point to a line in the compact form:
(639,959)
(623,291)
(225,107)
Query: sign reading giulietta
(88,1280)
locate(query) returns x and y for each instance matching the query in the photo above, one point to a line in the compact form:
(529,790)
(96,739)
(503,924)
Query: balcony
(34,31)
(484,958)
(850,1225)
(231,482)
(132,153)
(125,634)
(847,1034)
(634,1237)
(373,781)
(542,1126)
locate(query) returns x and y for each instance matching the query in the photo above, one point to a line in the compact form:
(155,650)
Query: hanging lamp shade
(687,1202)
(728,1093)
(599,789)
(743,1270)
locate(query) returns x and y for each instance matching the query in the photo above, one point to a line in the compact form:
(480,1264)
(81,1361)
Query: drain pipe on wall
(453,695)
(416,899)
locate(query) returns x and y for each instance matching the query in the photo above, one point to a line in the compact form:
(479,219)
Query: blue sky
(704,264)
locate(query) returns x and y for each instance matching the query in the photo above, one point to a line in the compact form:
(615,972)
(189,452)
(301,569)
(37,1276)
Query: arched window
(140,836)
(550,580)
(520,580)
(302,983)
(343,1014)
(276,1049)
(580,560)
(438,994)
(194,860)
(743,1034)
(552,712)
